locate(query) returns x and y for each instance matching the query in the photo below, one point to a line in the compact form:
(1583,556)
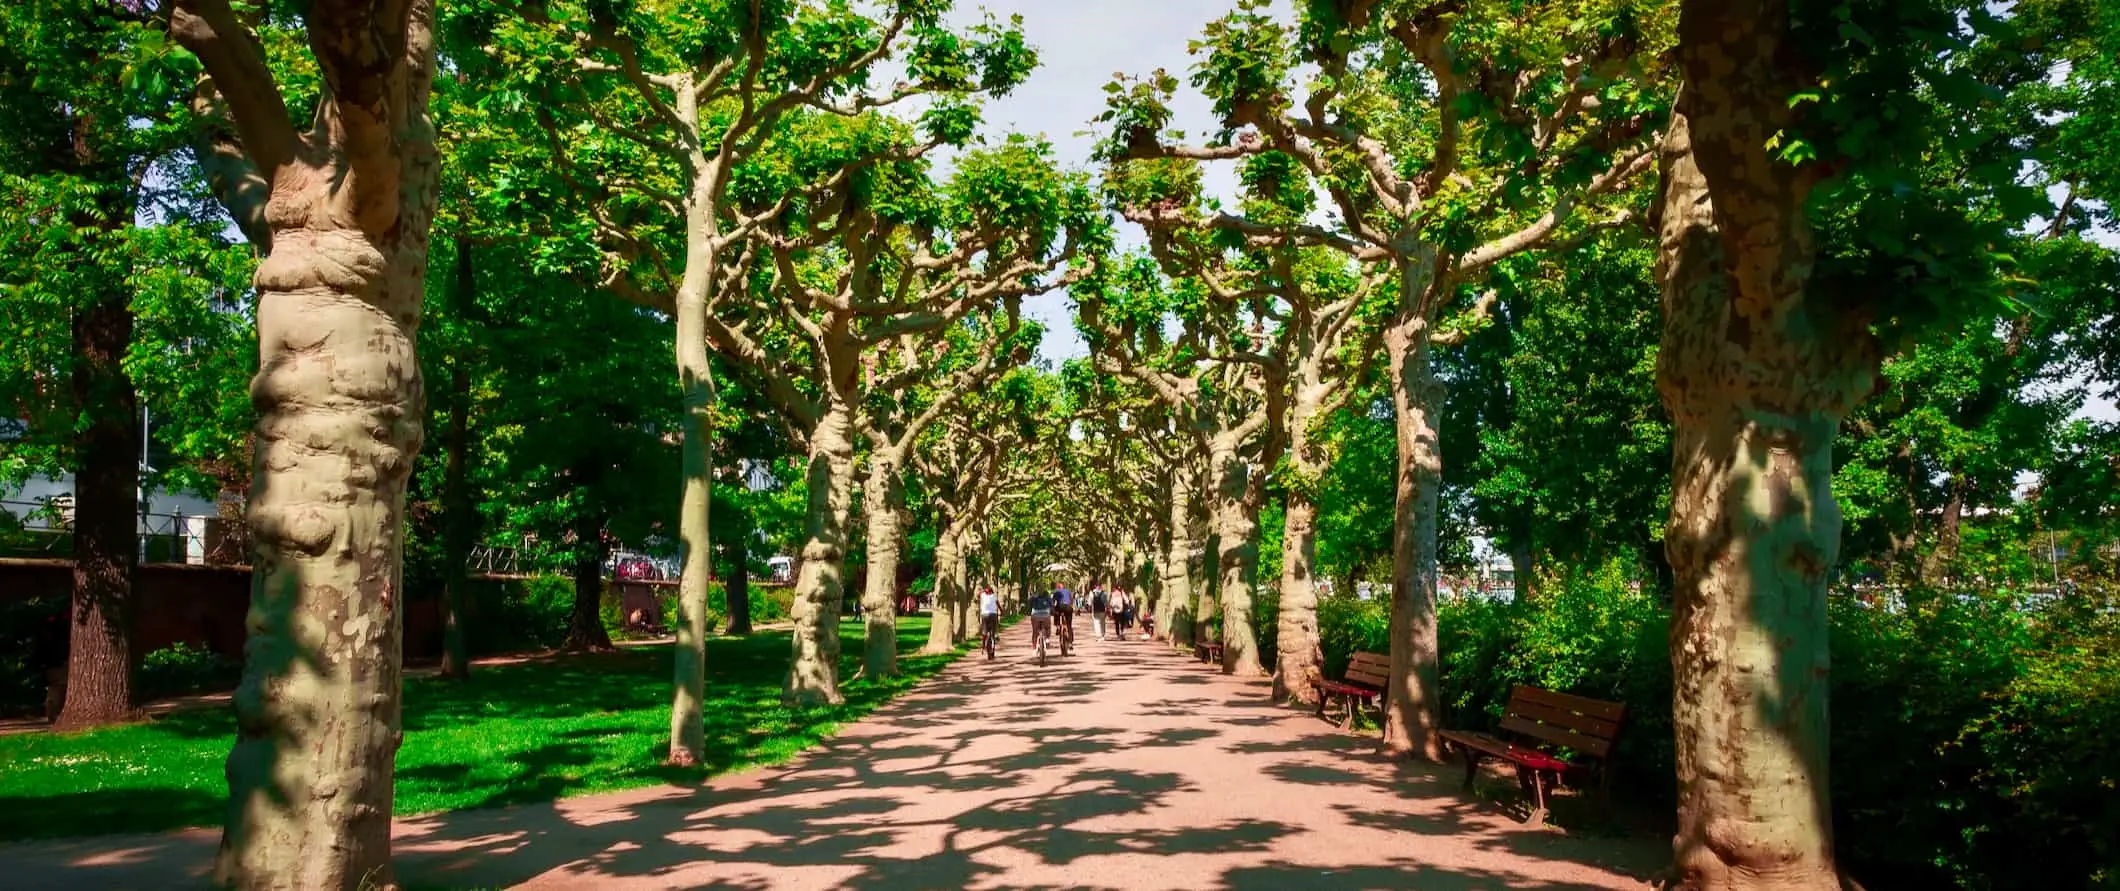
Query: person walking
(1100,604)
(1122,611)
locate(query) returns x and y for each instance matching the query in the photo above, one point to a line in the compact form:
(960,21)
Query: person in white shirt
(989,611)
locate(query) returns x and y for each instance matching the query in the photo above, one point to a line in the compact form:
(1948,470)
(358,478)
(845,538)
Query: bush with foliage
(32,639)
(1972,734)
(182,669)
(518,614)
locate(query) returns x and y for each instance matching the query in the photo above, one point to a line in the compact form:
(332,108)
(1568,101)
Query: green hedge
(1973,740)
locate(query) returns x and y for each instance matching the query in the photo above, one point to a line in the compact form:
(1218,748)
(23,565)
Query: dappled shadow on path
(1099,771)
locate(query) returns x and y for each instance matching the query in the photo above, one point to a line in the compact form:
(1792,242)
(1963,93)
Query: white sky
(1081,44)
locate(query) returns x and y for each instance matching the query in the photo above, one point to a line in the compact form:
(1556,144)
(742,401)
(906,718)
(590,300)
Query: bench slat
(1378,661)
(1372,678)
(1560,736)
(1546,714)
(1584,705)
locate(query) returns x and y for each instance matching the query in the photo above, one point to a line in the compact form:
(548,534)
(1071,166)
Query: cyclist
(989,618)
(1063,615)
(1041,606)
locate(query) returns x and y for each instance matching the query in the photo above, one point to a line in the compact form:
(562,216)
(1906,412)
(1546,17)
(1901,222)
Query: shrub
(514,615)
(32,638)
(1972,734)
(183,669)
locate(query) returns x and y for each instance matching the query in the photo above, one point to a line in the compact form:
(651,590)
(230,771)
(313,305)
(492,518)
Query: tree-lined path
(1122,767)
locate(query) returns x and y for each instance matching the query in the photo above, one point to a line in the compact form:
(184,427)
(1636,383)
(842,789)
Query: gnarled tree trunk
(1413,702)
(942,636)
(1757,375)
(882,499)
(106,486)
(339,405)
(1236,533)
(813,670)
(1174,618)
(1300,662)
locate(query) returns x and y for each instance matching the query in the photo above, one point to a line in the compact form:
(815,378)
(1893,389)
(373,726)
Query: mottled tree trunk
(1174,620)
(1757,375)
(1413,701)
(459,522)
(695,380)
(942,637)
(585,624)
(813,670)
(106,511)
(1236,531)
(1207,604)
(881,507)
(1300,662)
(339,404)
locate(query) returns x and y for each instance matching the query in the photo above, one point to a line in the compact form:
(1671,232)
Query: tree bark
(737,587)
(106,511)
(1300,662)
(813,670)
(1938,568)
(1412,704)
(1236,554)
(1207,605)
(688,688)
(942,635)
(460,524)
(1175,620)
(1523,568)
(585,625)
(882,500)
(339,404)
(1757,375)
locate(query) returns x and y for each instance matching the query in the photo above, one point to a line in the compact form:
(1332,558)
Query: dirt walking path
(1124,766)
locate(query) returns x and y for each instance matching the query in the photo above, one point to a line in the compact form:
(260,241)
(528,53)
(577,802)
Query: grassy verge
(516,733)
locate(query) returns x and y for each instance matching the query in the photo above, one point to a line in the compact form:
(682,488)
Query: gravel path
(1124,766)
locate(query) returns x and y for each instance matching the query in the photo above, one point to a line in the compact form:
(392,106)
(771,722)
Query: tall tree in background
(910,385)
(1223,383)
(874,252)
(346,205)
(1448,136)
(671,106)
(73,168)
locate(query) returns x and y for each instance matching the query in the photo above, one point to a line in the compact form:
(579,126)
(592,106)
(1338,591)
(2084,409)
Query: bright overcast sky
(1081,44)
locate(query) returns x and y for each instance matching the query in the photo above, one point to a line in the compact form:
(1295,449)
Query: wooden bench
(1210,652)
(1583,727)
(1362,682)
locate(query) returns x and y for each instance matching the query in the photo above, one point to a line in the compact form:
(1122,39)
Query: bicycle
(1064,626)
(986,636)
(1040,633)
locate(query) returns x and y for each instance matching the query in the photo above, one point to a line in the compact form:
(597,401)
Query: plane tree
(1445,137)
(650,112)
(1223,383)
(910,384)
(883,251)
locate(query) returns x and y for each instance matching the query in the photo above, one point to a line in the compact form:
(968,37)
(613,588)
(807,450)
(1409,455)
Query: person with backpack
(1099,610)
(1063,616)
(1122,611)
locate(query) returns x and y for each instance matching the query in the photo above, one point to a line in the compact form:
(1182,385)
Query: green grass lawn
(515,733)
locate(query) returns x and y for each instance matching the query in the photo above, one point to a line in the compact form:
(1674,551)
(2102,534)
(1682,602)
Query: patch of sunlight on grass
(511,734)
